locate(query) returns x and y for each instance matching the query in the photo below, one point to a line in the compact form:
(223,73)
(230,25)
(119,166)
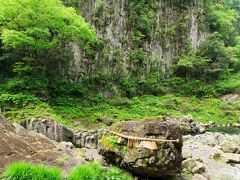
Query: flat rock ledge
(162,162)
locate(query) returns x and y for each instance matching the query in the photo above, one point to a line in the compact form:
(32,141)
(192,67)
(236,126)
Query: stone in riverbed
(199,177)
(228,173)
(165,161)
(189,164)
(229,144)
(186,154)
(230,158)
(236,125)
(199,168)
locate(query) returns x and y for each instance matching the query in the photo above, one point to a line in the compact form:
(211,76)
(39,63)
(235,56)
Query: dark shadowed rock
(164,161)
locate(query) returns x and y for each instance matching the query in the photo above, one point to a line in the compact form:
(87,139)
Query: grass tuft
(27,171)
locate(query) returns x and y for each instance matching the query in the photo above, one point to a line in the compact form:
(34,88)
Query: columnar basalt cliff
(138,37)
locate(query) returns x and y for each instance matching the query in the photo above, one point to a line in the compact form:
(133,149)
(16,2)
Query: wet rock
(163,161)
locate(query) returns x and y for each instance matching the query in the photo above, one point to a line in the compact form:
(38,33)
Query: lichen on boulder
(141,160)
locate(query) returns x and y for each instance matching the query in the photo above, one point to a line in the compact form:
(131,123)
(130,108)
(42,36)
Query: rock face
(50,128)
(164,161)
(119,28)
(88,139)
(16,144)
(58,132)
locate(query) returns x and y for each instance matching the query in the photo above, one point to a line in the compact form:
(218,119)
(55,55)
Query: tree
(221,58)
(190,65)
(34,31)
(223,19)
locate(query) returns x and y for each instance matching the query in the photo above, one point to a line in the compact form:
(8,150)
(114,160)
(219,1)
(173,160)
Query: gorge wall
(137,37)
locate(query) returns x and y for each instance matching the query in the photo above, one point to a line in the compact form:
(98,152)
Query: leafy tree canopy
(35,29)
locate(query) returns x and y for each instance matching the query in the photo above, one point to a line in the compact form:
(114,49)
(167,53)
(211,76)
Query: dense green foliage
(219,53)
(35,40)
(79,113)
(26,171)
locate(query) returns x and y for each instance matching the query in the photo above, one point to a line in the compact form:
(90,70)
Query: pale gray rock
(198,169)
(189,164)
(228,173)
(199,177)
(58,132)
(230,157)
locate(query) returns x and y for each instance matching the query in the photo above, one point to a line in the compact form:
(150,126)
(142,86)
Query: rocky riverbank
(206,155)
(213,156)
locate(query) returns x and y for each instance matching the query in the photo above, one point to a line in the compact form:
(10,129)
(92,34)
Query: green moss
(160,156)
(109,142)
(125,149)
(63,159)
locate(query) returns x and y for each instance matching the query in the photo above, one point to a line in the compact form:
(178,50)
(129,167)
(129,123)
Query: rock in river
(143,158)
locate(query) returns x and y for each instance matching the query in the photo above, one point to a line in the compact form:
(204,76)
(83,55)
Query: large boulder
(163,160)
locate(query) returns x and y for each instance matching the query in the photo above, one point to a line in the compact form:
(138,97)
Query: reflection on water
(228,130)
